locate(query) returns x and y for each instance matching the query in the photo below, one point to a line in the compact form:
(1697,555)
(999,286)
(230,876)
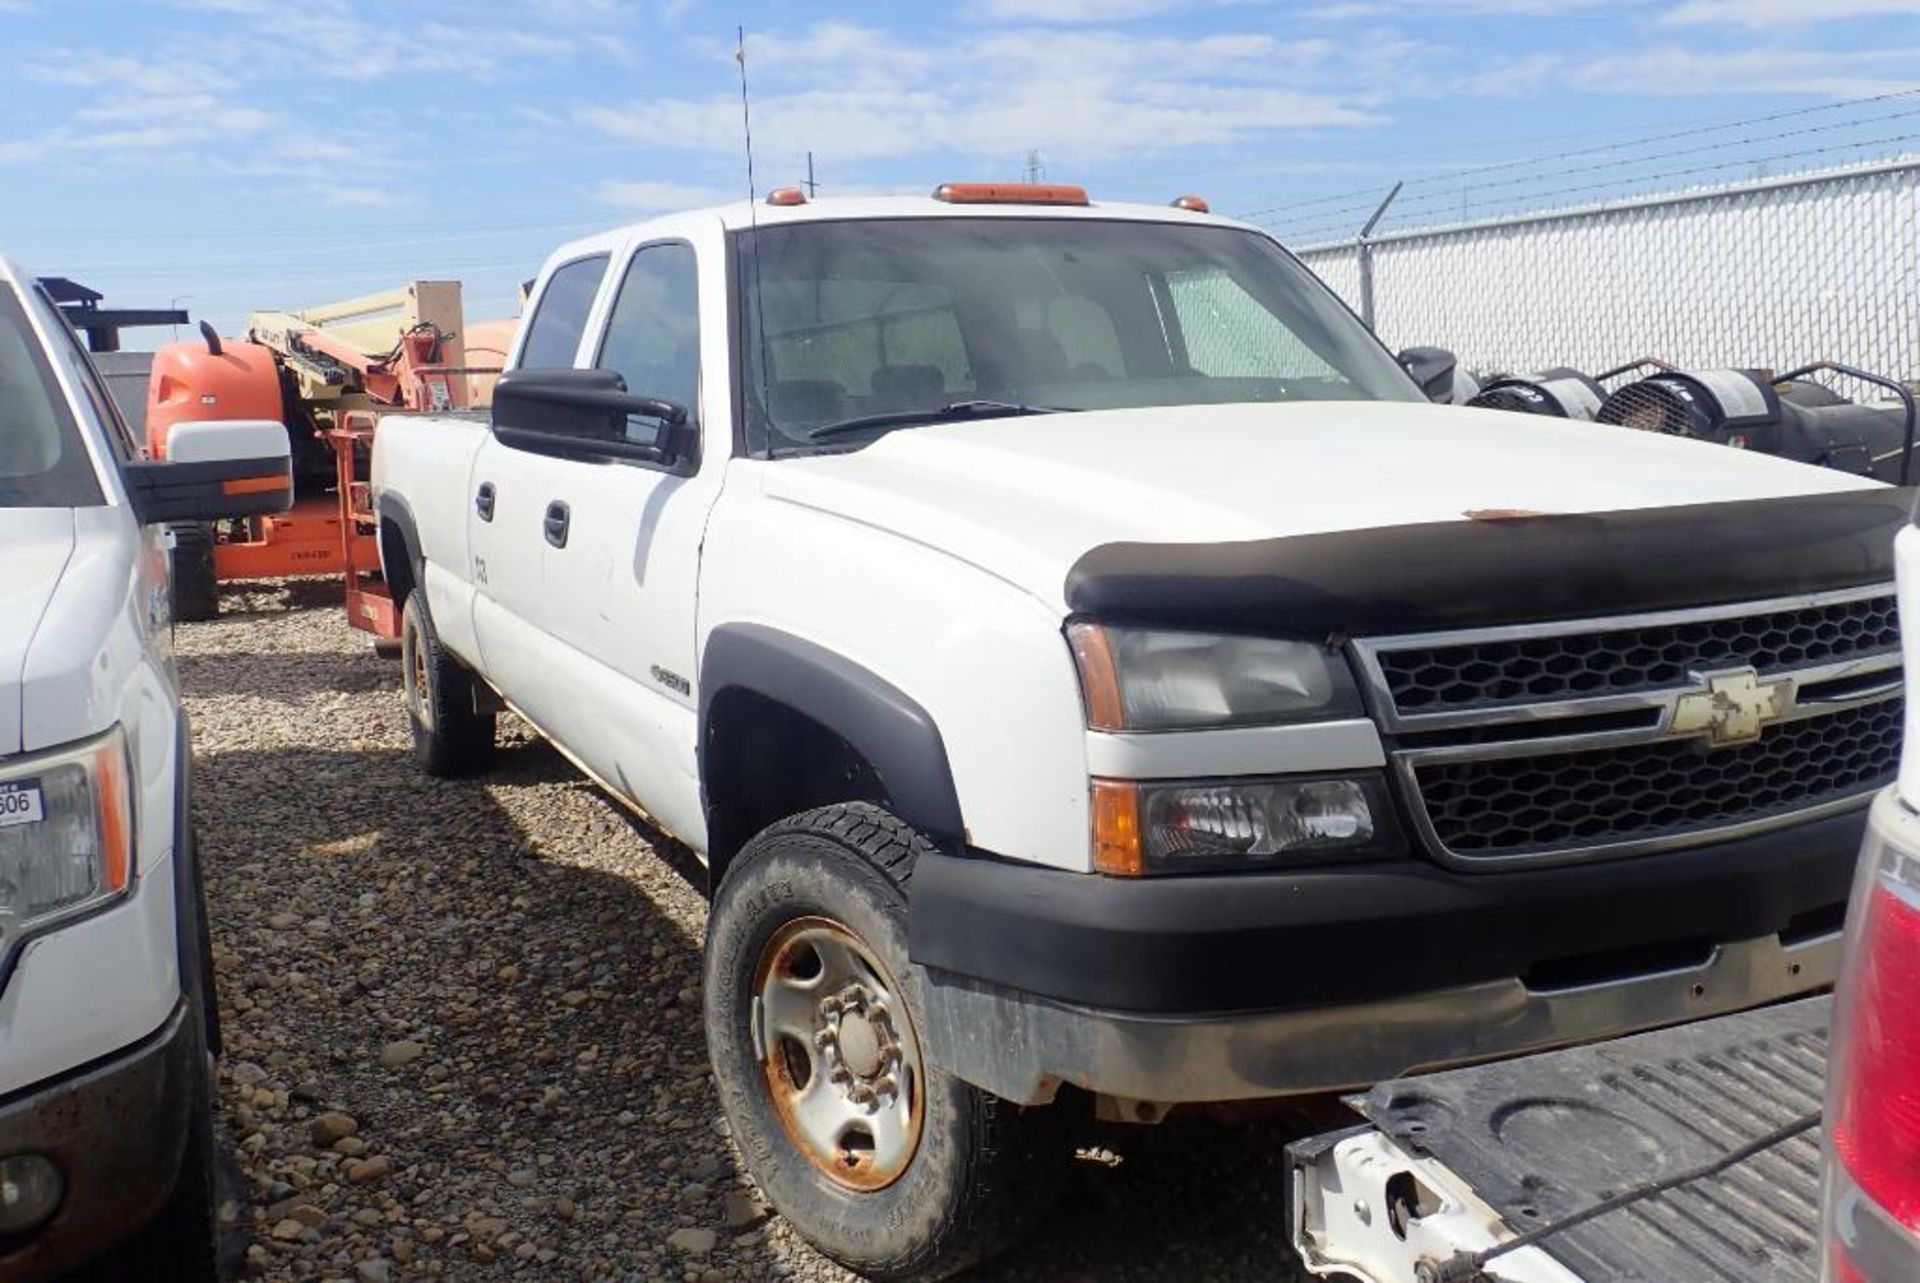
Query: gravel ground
(462,1022)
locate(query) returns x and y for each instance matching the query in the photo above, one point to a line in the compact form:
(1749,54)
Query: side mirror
(214,471)
(587,414)
(1433,369)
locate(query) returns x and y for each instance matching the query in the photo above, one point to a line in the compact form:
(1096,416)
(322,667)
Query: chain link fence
(1772,272)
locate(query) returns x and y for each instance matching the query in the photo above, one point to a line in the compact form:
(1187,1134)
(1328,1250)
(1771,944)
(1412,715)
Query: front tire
(815,1021)
(450,736)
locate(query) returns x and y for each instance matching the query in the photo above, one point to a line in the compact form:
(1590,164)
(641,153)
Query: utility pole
(813,188)
(1034,171)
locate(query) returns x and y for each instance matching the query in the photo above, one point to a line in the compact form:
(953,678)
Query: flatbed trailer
(1453,1164)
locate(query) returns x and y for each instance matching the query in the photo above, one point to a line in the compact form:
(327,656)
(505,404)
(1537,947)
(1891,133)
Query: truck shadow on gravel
(497,981)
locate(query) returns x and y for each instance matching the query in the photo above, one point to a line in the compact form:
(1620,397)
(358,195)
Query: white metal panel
(1774,273)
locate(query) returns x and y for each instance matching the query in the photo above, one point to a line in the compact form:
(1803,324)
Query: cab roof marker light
(1011,194)
(1192,204)
(786,196)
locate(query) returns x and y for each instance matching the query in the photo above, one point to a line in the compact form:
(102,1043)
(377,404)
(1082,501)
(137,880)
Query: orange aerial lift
(328,373)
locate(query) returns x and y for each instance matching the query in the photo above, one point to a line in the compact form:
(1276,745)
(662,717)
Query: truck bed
(1533,1140)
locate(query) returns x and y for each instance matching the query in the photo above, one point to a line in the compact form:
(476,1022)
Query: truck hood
(38,542)
(1025,498)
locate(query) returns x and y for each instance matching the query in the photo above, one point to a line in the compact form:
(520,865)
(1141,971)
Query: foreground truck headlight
(65,834)
(1135,679)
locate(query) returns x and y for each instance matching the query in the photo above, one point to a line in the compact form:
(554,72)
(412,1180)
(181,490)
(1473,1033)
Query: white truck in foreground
(106,986)
(1091,669)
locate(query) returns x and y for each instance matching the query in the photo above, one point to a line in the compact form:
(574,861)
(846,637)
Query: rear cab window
(44,462)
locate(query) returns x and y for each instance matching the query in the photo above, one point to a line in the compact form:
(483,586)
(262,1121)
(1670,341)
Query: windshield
(897,321)
(43,463)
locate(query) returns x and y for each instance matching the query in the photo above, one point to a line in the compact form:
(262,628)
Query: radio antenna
(753,226)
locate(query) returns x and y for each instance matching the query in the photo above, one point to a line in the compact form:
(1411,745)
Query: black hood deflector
(1474,573)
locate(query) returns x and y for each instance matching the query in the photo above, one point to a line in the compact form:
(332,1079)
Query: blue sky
(273,153)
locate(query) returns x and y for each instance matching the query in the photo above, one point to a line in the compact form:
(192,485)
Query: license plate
(21,803)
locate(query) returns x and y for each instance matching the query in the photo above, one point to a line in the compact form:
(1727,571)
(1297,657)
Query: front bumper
(1248,986)
(117,1130)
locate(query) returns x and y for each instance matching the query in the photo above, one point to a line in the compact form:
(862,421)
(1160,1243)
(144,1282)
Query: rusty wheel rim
(416,670)
(838,1053)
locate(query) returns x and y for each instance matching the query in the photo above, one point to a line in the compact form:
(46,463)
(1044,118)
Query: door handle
(483,501)
(556,523)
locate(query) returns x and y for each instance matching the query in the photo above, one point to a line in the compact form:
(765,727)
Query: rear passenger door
(507,494)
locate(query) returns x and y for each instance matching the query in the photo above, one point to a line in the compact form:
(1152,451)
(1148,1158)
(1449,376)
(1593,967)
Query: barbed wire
(1366,198)
(1622,185)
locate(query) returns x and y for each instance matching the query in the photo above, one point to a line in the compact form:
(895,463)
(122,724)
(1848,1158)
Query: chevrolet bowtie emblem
(1733,709)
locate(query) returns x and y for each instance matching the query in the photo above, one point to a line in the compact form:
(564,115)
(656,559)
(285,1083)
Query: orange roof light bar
(1011,194)
(1195,204)
(786,196)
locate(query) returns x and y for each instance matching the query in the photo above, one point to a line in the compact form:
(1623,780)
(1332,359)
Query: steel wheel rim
(416,670)
(838,1053)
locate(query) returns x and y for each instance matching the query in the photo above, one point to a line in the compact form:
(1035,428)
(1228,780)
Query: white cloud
(1345,10)
(646,196)
(351,197)
(1074,11)
(1765,13)
(856,94)
(1674,70)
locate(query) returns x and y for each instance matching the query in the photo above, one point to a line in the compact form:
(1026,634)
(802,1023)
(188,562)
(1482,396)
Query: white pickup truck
(1091,669)
(106,989)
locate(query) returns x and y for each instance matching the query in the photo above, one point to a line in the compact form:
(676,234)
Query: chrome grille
(1523,669)
(1566,741)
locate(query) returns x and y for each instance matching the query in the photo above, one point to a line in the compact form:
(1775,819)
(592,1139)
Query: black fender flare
(885,725)
(391,507)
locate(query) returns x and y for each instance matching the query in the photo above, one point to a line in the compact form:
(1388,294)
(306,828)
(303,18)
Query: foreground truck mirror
(214,471)
(587,414)
(1433,369)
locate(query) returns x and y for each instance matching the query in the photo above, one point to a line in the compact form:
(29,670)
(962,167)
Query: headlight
(66,834)
(1148,680)
(1192,825)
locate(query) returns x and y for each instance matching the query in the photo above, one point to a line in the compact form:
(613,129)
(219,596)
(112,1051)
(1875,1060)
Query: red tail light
(1876,1128)
(1840,1267)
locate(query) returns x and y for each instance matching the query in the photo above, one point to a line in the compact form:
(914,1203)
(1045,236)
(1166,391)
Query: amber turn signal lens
(116,829)
(1011,194)
(1099,679)
(1116,829)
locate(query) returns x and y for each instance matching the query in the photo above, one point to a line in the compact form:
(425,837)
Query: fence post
(1363,250)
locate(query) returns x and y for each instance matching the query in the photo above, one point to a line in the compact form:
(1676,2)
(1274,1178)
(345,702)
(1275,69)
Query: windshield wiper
(952,412)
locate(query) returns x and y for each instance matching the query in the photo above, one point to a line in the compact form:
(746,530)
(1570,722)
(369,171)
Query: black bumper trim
(1279,941)
(117,1130)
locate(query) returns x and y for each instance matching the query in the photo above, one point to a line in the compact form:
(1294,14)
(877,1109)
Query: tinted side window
(653,336)
(560,318)
(43,462)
